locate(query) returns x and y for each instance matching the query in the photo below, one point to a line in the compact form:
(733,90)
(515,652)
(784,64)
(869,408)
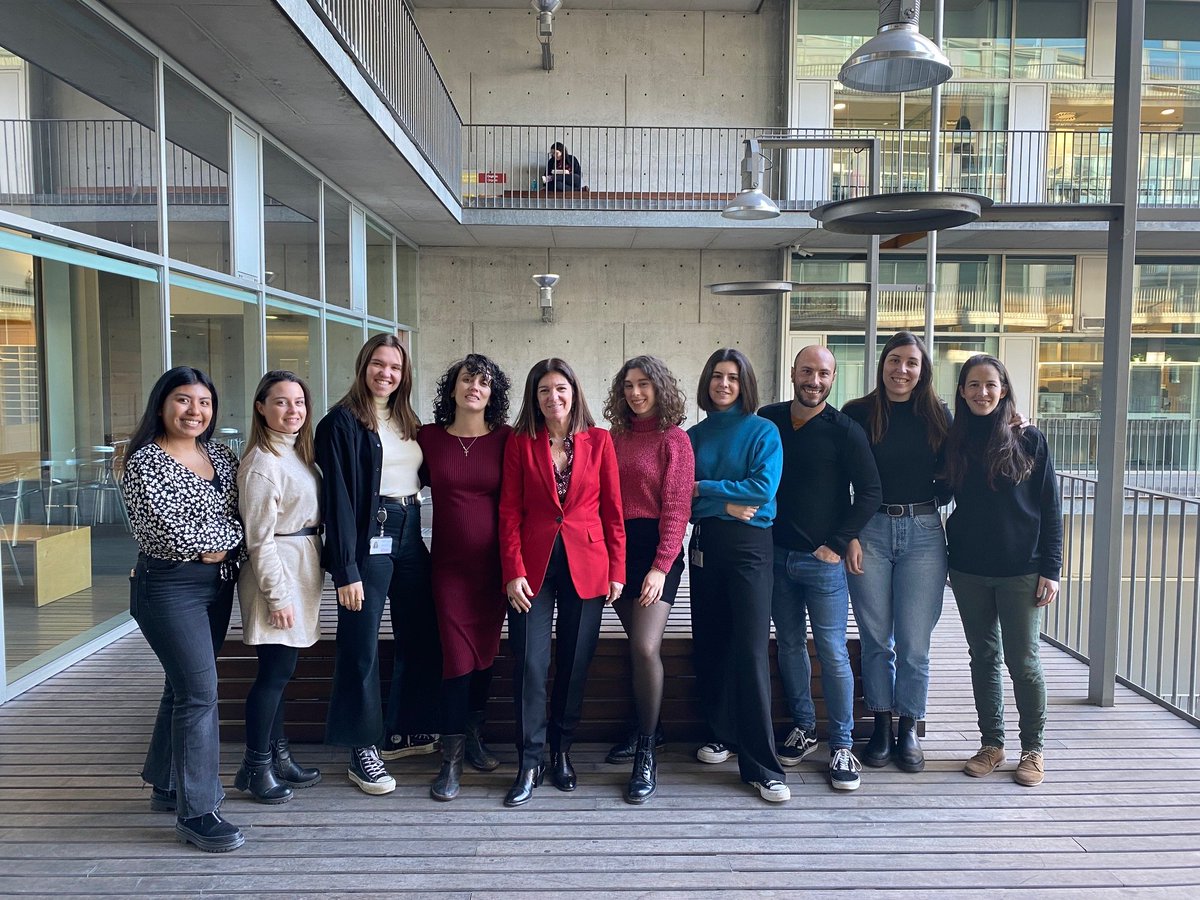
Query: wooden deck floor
(1118,815)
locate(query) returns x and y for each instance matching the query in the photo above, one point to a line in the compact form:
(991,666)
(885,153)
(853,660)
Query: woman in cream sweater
(280,586)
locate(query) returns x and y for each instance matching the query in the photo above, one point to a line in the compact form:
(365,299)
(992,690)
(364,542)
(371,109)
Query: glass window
(291,203)
(1039,294)
(950,356)
(1051,39)
(978,38)
(197,176)
(78,146)
(381,273)
(828,36)
(1172,48)
(337,249)
(65,545)
(294,343)
(215,328)
(1166,295)
(343,340)
(407,305)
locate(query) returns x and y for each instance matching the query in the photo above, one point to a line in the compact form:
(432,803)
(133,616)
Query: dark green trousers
(1002,625)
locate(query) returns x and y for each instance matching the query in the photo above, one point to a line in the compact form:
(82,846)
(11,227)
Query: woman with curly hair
(1005,539)
(464,459)
(654,457)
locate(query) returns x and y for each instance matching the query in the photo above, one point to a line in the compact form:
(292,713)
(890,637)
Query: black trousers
(576,632)
(356,715)
(731,630)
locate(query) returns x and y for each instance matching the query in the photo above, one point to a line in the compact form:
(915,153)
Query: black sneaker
(210,833)
(797,745)
(368,772)
(162,801)
(843,770)
(398,746)
(714,752)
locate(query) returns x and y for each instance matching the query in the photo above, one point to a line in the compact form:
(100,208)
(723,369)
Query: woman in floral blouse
(181,492)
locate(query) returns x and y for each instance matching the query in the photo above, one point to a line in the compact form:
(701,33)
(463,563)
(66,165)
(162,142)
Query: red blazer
(591,522)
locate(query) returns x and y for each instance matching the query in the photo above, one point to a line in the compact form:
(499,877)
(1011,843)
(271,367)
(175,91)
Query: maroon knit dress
(467,589)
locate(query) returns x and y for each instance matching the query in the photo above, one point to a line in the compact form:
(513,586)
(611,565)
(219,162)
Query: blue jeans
(183,611)
(897,602)
(806,588)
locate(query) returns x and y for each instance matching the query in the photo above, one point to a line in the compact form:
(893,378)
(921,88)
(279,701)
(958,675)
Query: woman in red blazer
(562,543)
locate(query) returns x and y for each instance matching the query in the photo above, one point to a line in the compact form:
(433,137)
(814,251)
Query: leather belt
(410,500)
(304,532)
(900,510)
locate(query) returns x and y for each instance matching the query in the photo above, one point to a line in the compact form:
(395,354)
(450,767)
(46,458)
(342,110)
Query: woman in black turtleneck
(897,564)
(1005,539)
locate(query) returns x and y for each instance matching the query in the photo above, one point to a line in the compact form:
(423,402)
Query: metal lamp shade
(751,204)
(896,60)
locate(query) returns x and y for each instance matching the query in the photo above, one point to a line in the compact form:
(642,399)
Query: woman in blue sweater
(1005,539)
(739,460)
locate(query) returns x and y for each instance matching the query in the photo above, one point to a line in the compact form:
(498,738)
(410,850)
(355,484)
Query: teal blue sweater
(739,459)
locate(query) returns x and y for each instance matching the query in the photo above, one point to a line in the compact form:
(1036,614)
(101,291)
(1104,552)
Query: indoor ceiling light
(839,106)
(1169,111)
(899,58)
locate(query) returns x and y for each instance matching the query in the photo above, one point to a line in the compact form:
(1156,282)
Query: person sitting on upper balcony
(563,172)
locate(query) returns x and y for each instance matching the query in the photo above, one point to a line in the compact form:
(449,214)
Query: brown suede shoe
(985,762)
(1031,769)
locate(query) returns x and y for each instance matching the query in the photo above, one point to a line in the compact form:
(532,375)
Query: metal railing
(675,168)
(1158,652)
(1162,453)
(383,39)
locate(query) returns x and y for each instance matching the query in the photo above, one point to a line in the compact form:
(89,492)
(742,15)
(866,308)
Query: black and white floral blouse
(176,514)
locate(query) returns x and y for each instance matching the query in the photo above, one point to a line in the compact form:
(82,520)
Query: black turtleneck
(907,465)
(1015,529)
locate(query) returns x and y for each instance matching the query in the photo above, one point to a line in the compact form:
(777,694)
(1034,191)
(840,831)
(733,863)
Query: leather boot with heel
(521,791)
(644,780)
(878,752)
(908,753)
(477,752)
(288,770)
(257,776)
(562,773)
(445,786)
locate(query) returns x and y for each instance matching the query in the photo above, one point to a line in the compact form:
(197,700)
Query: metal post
(871,338)
(935,159)
(1114,381)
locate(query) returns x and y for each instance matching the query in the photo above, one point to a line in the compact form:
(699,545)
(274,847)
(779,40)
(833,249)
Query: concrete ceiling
(736,6)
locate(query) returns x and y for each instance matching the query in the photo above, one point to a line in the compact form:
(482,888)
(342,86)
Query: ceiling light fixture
(899,58)
(1169,111)
(545,10)
(546,285)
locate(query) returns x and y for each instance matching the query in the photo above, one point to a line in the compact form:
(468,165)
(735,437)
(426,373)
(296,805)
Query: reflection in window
(77,124)
(1166,295)
(337,249)
(381,273)
(197,176)
(1039,294)
(1172,47)
(215,328)
(293,343)
(1051,40)
(62,444)
(291,223)
(343,340)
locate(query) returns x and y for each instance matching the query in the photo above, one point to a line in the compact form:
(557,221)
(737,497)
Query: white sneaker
(773,791)
(714,752)
(843,771)
(367,771)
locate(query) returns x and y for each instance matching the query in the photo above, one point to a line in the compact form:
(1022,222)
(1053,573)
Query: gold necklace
(466,448)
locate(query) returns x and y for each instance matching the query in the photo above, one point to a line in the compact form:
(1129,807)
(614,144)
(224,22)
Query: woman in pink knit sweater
(654,456)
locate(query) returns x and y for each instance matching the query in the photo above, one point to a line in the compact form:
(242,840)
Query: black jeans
(401,577)
(177,605)
(576,632)
(731,630)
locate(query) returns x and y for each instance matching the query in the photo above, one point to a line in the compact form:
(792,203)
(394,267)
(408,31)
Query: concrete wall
(614,67)
(609,306)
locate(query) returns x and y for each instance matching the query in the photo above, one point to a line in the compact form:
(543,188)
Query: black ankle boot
(210,833)
(521,791)
(477,753)
(878,752)
(644,780)
(257,775)
(562,773)
(445,786)
(908,753)
(627,749)
(288,770)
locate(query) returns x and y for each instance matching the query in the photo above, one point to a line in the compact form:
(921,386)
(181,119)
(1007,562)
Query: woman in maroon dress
(464,458)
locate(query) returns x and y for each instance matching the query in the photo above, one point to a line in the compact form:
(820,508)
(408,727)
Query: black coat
(351,460)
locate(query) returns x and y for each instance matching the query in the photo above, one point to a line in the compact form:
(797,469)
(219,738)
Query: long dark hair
(261,435)
(668,398)
(496,411)
(1002,453)
(150,427)
(926,404)
(530,418)
(361,402)
(747,383)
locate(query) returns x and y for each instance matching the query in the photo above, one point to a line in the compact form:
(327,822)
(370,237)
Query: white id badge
(380,546)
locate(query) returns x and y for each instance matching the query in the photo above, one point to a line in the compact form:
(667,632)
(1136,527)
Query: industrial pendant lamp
(899,58)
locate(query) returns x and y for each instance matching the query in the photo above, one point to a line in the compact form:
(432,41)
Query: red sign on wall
(491,177)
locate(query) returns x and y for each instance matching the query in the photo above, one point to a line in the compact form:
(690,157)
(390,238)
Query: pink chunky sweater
(657,470)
